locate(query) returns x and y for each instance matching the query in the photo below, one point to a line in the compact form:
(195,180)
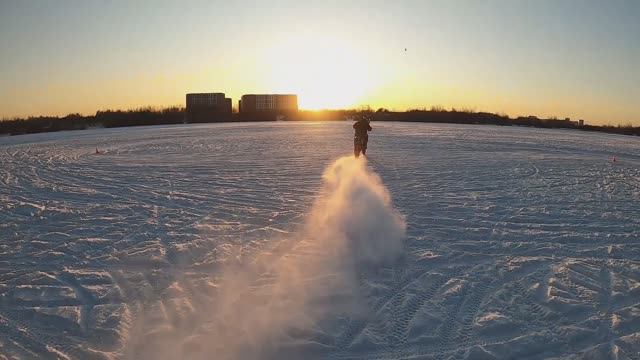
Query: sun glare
(326,72)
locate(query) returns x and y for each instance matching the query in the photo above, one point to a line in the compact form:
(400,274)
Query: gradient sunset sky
(578,59)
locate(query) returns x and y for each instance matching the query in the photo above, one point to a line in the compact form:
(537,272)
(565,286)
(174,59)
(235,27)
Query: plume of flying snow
(262,304)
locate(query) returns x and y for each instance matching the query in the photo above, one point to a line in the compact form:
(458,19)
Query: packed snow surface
(268,241)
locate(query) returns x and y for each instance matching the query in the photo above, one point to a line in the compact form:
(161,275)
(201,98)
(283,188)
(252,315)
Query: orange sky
(518,58)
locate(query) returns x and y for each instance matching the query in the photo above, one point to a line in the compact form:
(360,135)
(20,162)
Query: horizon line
(357,108)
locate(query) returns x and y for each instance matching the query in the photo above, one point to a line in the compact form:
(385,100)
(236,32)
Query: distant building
(207,107)
(580,122)
(268,105)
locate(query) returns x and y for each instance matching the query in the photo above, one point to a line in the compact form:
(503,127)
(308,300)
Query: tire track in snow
(395,334)
(449,331)
(402,320)
(467,309)
(13,326)
(87,299)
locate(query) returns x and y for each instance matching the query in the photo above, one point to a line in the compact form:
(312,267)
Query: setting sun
(316,67)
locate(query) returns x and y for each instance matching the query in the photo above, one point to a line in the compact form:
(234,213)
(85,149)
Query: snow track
(521,243)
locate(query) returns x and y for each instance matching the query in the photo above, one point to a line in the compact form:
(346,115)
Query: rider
(361,137)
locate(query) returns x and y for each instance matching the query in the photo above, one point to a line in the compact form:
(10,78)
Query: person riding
(361,137)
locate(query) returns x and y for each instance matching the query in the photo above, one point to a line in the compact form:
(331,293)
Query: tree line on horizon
(178,115)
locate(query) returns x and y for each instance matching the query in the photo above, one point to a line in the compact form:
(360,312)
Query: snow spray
(290,288)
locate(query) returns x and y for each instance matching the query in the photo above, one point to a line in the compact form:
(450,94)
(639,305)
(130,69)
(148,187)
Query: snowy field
(225,241)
